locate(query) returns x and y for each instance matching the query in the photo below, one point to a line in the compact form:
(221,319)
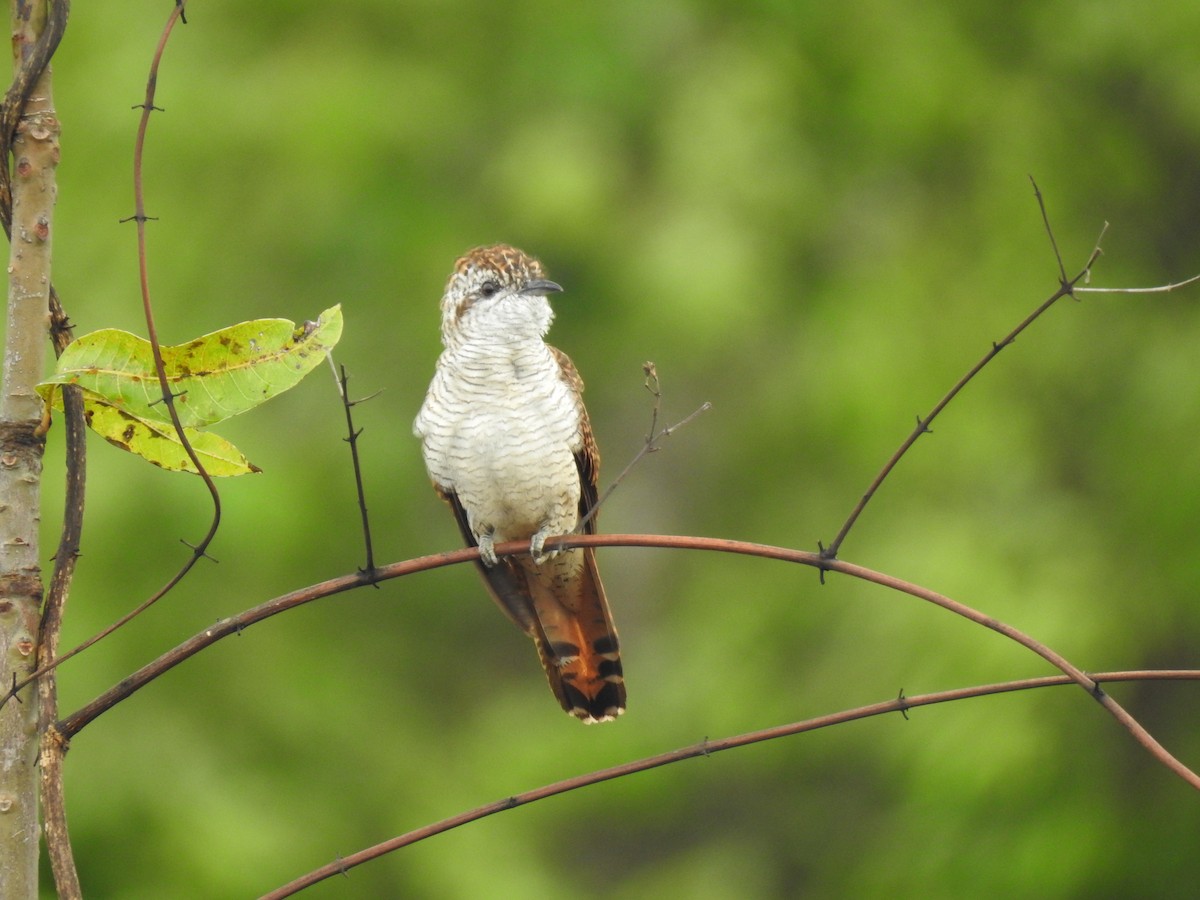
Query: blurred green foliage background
(815,216)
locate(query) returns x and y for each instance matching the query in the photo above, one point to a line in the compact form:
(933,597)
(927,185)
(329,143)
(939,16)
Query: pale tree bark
(34,158)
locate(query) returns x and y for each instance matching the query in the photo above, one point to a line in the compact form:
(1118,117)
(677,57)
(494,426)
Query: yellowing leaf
(214,377)
(158,442)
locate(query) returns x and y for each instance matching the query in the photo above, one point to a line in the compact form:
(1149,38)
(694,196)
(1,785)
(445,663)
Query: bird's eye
(489,289)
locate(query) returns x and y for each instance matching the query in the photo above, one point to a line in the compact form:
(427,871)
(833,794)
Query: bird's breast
(500,428)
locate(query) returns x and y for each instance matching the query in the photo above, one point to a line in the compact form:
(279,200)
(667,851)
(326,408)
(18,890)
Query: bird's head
(496,288)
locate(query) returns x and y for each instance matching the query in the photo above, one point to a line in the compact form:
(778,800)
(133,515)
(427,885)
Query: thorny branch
(73,723)
(341,381)
(1067,287)
(902,704)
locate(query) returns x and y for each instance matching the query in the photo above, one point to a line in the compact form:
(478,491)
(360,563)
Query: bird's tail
(575,637)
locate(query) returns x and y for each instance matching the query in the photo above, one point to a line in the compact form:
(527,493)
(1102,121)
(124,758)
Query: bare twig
(53,748)
(1066,287)
(72,724)
(341,381)
(1161,289)
(705,748)
(1062,271)
(651,444)
(140,218)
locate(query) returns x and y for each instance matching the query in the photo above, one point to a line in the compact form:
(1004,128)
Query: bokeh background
(816,216)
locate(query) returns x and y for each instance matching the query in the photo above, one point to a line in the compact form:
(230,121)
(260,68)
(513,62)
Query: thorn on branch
(149,106)
(72,553)
(824,553)
(139,218)
(167,397)
(201,553)
(904,707)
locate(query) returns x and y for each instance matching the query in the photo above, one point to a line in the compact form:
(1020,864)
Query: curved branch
(706,748)
(72,724)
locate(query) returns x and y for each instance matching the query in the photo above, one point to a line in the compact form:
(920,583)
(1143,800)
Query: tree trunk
(34,158)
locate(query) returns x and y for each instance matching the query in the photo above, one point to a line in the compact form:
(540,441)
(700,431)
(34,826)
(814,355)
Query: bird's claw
(487,550)
(537,545)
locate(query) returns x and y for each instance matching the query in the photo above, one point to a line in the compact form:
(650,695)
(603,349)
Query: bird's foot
(487,550)
(537,547)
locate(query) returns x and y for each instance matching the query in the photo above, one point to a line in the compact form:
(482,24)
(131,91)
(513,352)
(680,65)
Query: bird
(508,445)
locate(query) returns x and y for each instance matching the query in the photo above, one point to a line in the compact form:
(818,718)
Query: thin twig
(341,381)
(1066,288)
(53,749)
(71,725)
(651,444)
(140,218)
(900,704)
(1161,289)
(1062,271)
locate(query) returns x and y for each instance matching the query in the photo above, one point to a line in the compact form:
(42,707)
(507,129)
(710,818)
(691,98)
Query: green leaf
(214,377)
(157,442)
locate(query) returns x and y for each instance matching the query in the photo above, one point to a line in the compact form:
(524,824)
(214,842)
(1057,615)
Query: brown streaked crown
(482,272)
(504,261)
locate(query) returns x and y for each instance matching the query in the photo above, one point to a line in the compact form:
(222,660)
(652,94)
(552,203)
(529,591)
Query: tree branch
(353,433)
(73,723)
(901,705)
(1066,288)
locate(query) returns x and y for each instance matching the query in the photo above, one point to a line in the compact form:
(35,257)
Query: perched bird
(508,445)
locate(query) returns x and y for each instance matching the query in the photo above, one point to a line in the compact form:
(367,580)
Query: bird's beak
(541,286)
